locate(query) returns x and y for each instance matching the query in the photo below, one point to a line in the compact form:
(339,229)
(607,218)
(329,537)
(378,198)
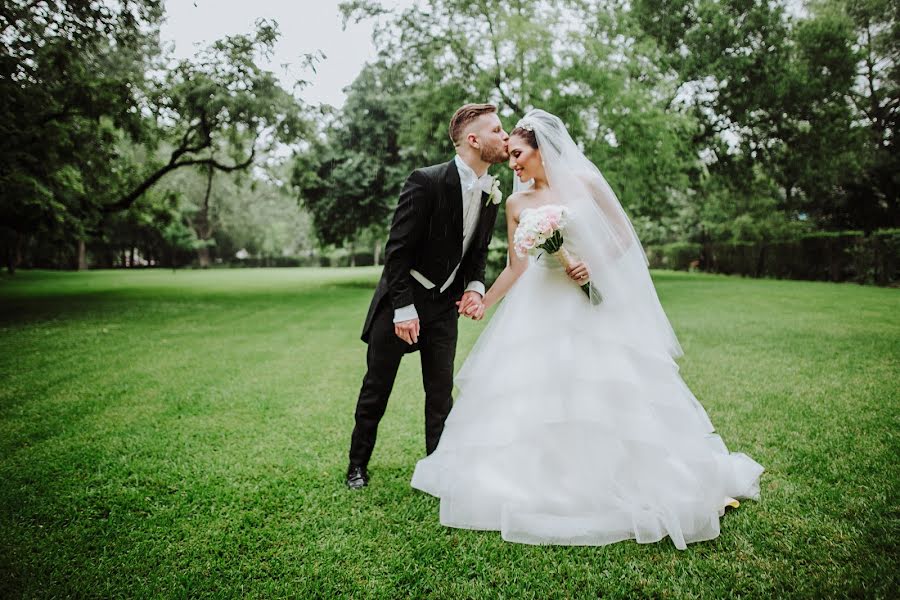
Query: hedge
(824,256)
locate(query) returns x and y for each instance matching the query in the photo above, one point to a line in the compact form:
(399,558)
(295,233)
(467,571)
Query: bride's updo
(525,134)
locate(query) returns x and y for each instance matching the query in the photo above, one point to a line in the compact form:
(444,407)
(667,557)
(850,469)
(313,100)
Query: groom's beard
(494,155)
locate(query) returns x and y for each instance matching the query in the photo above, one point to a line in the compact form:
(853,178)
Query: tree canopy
(88,99)
(711,119)
(739,120)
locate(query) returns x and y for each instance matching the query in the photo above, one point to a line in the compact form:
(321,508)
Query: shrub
(822,256)
(677,256)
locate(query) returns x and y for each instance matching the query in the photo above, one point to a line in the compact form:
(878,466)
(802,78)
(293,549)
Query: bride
(572,424)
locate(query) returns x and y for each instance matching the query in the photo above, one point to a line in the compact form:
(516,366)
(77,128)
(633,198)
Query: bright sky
(305,25)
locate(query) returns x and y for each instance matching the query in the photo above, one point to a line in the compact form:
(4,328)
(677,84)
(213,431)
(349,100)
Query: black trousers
(438,320)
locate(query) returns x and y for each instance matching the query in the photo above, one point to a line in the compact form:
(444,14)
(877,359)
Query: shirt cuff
(407,313)
(476,286)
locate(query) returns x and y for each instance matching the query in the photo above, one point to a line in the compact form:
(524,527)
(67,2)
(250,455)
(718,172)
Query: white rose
(495,196)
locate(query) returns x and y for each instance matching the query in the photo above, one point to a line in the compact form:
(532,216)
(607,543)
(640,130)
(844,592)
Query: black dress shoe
(357,477)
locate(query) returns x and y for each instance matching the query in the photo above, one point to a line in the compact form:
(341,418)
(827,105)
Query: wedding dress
(572,424)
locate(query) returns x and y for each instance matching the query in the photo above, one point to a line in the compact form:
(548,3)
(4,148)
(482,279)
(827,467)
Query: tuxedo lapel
(453,198)
(486,207)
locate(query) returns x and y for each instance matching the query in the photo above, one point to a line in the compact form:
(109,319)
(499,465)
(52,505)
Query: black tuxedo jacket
(426,235)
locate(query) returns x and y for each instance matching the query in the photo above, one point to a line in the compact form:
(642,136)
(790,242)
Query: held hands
(471,305)
(408,331)
(579,272)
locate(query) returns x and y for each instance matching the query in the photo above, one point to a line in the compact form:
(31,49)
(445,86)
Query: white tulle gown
(566,433)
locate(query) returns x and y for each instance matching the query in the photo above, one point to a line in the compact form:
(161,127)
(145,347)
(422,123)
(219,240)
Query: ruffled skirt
(565,431)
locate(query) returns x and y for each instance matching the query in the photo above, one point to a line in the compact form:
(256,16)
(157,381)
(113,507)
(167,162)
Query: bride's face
(525,160)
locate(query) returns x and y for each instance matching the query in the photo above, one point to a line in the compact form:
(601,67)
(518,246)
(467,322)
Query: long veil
(601,234)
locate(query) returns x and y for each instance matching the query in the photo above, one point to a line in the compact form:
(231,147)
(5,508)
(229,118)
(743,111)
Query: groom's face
(491,138)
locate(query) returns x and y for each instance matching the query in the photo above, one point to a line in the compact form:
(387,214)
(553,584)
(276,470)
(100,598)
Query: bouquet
(542,229)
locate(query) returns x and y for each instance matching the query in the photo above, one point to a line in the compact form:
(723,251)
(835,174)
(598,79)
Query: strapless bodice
(544,260)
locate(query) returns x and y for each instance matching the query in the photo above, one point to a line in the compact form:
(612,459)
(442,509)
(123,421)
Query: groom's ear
(472,139)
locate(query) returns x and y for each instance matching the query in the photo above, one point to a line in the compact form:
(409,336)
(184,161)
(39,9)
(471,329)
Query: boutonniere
(494,196)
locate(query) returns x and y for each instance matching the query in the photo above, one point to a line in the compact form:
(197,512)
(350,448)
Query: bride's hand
(468,299)
(472,305)
(579,272)
(476,311)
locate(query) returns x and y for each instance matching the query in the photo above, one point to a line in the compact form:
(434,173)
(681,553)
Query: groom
(433,272)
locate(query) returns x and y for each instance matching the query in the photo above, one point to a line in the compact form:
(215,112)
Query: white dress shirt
(472,186)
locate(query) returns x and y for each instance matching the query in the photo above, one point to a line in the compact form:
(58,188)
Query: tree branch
(205,142)
(126,201)
(66,111)
(501,75)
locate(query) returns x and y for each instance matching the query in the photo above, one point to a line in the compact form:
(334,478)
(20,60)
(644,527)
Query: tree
(257,213)
(872,200)
(68,72)
(78,77)
(775,96)
(349,176)
(219,103)
(578,59)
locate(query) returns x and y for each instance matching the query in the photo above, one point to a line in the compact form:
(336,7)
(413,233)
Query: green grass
(185,434)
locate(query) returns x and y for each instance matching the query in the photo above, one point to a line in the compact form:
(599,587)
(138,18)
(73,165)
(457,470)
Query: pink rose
(545,227)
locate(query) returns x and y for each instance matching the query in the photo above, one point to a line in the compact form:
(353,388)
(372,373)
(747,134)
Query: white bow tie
(485,183)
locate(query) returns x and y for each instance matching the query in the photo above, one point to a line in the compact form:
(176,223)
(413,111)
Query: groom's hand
(468,303)
(408,331)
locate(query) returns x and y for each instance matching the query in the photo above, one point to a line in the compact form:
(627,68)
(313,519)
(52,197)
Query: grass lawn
(185,434)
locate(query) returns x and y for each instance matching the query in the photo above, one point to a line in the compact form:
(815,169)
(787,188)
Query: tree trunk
(82,256)
(761,260)
(834,270)
(131,258)
(201,223)
(352,255)
(11,251)
(203,256)
(14,251)
(377,251)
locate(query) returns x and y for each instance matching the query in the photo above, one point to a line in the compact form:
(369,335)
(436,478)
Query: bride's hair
(552,126)
(525,134)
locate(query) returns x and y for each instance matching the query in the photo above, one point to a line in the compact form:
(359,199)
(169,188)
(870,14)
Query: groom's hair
(465,115)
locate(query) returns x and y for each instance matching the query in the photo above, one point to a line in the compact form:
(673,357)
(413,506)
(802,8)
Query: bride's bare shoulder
(516,202)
